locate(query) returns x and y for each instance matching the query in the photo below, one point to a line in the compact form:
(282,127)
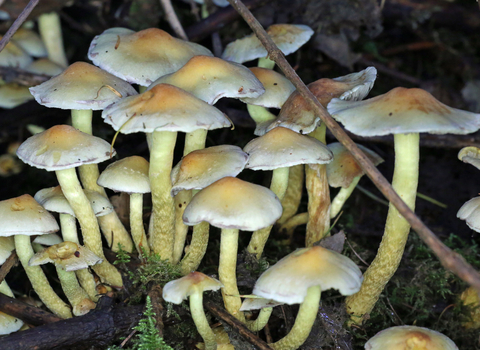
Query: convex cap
(211,78)
(282,147)
(288,280)
(24,216)
(166,108)
(470,155)
(63,147)
(288,37)
(128,175)
(233,203)
(141,57)
(195,282)
(201,168)
(470,212)
(82,86)
(402,111)
(410,337)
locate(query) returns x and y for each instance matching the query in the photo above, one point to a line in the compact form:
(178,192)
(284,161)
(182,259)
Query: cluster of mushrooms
(179,83)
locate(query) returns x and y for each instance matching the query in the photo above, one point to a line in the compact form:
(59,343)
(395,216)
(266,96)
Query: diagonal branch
(18,22)
(449,259)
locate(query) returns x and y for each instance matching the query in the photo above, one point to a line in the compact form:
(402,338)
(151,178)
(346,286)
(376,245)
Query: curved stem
(162,232)
(136,223)
(260,114)
(227,268)
(341,197)
(194,140)
(293,195)
(405,180)
(73,191)
(303,323)
(75,294)
(38,279)
(201,322)
(197,248)
(51,33)
(261,321)
(279,187)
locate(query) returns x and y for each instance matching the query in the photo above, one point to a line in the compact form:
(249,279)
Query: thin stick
(173,19)
(27,313)
(449,259)
(237,326)
(18,22)
(11,261)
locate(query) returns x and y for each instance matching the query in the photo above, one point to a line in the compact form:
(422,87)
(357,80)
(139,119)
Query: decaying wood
(448,258)
(21,77)
(96,330)
(11,261)
(27,313)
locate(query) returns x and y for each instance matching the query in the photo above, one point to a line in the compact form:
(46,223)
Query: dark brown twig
(18,22)
(11,261)
(27,313)
(236,325)
(448,258)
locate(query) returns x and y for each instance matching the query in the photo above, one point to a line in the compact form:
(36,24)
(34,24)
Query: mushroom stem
(260,114)
(342,197)
(38,279)
(51,33)
(318,196)
(194,140)
(68,226)
(111,226)
(293,195)
(307,313)
(227,272)
(197,248)
(80,204)
(75,294)
(136,223)
(266,62)
(261,321)
(405,180)
(279,187)
(201,322)
(162,233)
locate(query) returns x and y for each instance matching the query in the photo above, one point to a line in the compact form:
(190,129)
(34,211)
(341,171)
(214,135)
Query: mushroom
(192,286)
(405,113)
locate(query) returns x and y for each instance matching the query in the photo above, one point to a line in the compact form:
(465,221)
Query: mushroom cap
(53,199)
(6,246)
(277,89)
(288,37)
(48,239)
(211,78)
(344,168)
(63,147)
(200,168)
(24,216)
(257,303)
(141,57)
(234,204)
(128,175)
(402,111)
(68,255)
(30,42)
(470,155)
(163,108)
(410,337)
(9,324)
(44,66)
(82,86)
(282,147)
(470,212)
(195,282)
(14,56)
(288,280)
(297,114)
(13,95)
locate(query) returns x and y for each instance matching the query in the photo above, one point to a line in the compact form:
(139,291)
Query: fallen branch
(29,314)
(11,261)
(448,258)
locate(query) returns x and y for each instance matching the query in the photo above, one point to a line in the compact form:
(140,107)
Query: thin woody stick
(173,19)
(449,259)
(18,22)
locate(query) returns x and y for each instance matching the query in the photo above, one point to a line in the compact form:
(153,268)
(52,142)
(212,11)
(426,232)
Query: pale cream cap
(288,280)
(410,337)
(128,175)
(14,56)
(30,42)
(141,57)
(200,168)
(63,147)
(211,78)
(82,86)
(163,108)
(195,282)
(470,155)
(282,147)
(234,204)
(470,212)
